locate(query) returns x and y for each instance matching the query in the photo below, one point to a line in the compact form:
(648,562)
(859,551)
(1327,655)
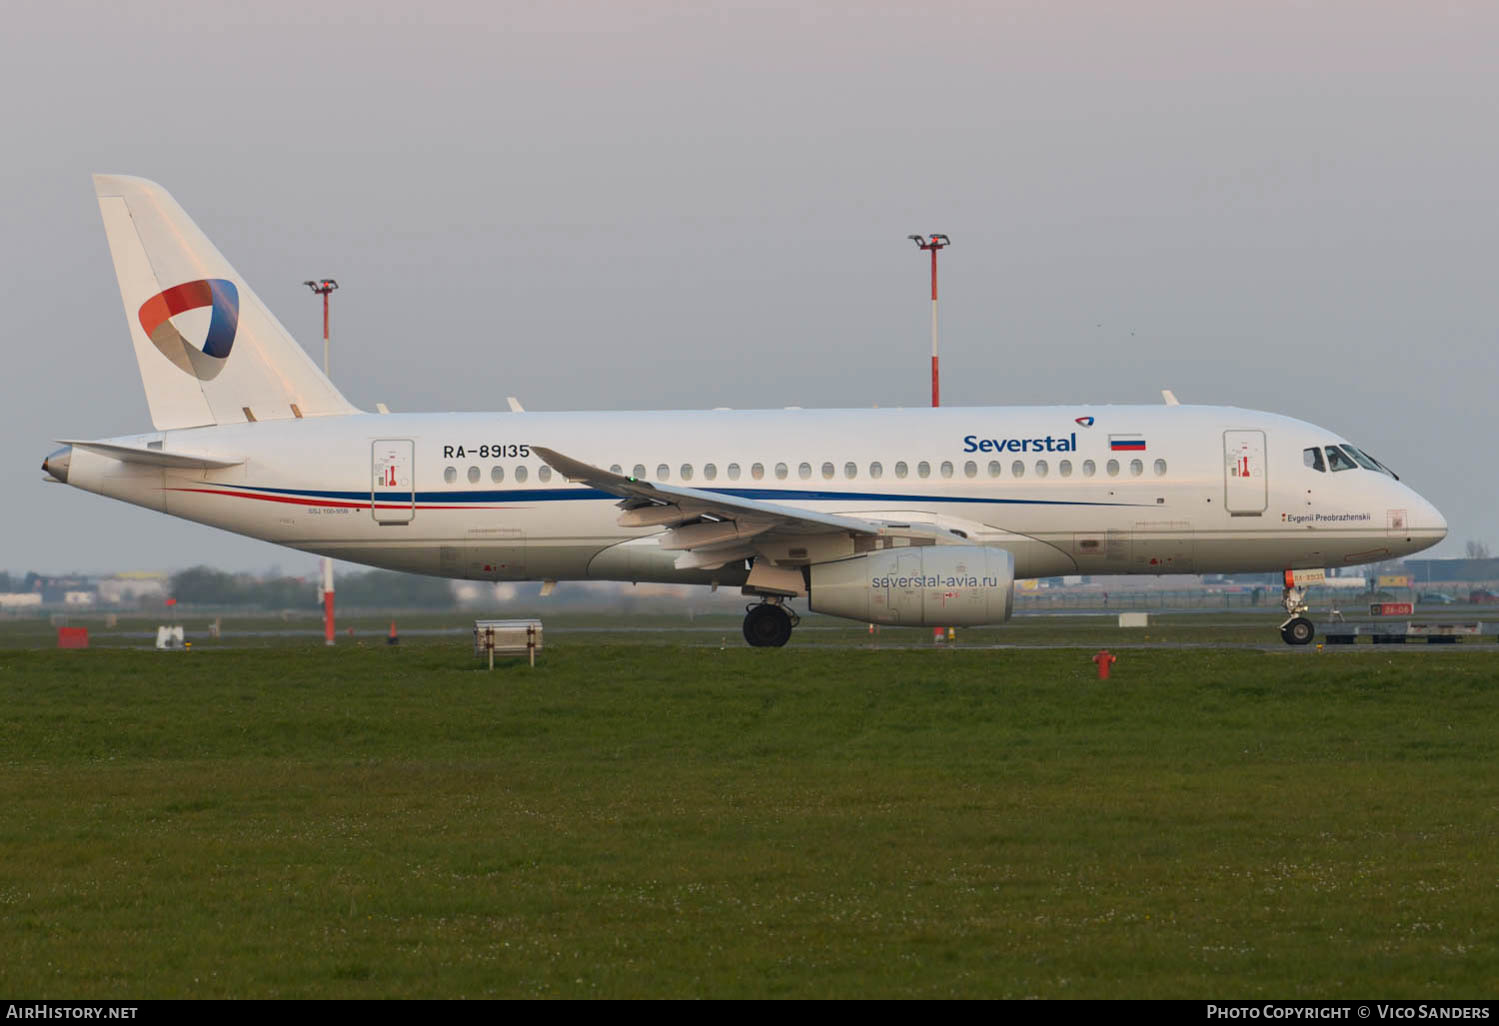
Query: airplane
(913,517)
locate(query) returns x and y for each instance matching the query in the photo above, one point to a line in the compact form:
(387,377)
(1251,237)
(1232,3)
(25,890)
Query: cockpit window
(1377,465)
(1360,458)
(1337,459)
(1313,458)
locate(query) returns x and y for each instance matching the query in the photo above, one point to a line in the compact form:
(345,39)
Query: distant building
(129,588)
(1468,571)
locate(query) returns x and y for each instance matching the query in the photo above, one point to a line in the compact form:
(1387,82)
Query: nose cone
(1425,526)
(57,464)
(1433,522)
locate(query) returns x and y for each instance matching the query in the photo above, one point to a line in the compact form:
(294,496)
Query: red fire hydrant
(1105,659)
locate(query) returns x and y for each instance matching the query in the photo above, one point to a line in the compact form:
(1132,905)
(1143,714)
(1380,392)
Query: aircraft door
(392,480)
(1245,488)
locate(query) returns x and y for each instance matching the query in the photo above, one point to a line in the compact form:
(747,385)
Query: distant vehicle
(1435,598)
(1482,597)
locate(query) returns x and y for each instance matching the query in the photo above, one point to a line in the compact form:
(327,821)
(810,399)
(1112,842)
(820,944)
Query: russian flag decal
(1126,443)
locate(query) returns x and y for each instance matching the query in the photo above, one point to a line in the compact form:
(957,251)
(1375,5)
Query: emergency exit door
(393,482)
(1245,489)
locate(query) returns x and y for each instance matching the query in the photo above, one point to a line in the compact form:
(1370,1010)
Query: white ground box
(507,637)
(1134,619)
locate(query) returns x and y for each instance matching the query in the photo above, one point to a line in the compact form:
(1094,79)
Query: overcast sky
(638,204)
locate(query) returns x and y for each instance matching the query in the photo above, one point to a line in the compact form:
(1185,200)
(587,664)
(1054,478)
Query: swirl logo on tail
(205,362)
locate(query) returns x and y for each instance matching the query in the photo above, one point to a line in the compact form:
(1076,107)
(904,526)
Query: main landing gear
(1298,630)
(768,625)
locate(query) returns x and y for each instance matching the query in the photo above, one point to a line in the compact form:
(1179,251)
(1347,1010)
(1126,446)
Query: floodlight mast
(933,243)
(323,287)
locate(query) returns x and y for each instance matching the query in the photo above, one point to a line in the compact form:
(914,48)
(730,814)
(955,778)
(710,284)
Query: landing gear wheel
(1298,631)
(767,626)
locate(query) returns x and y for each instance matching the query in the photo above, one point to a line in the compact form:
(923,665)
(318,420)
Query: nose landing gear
(1297,630)
(768,625)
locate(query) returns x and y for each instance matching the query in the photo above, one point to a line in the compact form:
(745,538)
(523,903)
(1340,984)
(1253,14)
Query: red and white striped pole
(323,288)
(932,244)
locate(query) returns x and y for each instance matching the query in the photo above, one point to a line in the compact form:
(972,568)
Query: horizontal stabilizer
(155,457)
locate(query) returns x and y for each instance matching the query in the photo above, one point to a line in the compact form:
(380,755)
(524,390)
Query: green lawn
(651,820)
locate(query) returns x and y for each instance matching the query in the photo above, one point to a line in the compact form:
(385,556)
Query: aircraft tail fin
(209,351)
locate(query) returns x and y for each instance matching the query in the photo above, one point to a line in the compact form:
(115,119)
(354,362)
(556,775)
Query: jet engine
(933,585)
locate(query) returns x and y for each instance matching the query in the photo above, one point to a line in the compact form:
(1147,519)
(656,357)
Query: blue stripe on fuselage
(593,494)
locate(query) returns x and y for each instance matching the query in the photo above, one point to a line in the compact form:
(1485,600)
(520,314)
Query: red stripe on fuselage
(336,503)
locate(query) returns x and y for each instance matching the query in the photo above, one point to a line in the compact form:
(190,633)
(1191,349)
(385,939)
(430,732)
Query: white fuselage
(1157,489)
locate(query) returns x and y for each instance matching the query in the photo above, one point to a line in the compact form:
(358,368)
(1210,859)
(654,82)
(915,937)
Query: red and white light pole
(323,288)
(933,243)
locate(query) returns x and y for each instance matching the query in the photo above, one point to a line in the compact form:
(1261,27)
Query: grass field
(664,820)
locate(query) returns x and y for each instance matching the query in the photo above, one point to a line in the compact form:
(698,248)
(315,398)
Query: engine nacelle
(933,586)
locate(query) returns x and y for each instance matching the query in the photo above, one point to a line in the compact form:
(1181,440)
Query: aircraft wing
(711,528)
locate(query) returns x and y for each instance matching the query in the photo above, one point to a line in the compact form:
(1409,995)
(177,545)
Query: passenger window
(638,472)
(946,469)
(781,471)
(614,468)
(923,469)
(1065,468)
(994,468)
(1338,460)
(662,472)
(901,470)
(473,475)
(1313,459)
(804,471)
(850,470)
(497,474)
(1017,469)
(450,474)
(757,470)
(1160,468)
(521,473)
(1041,468)
(1136,468)
(544,474)
(709,471)
(1089,468)
(687,472)
(1112,468)
(875,470)
(970,469)
(733,472)
(827,471)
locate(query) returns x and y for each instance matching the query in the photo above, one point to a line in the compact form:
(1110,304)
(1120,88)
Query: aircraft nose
(57,464)
(1426,522)
(1438,522)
